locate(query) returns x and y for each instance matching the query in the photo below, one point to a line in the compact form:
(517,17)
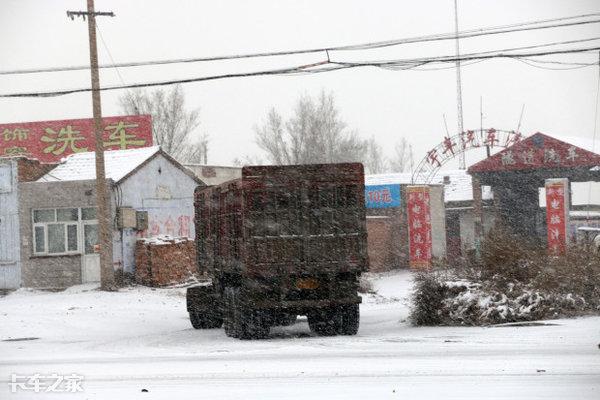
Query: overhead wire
(323,66)
(532,64)
(519,27)
(109,54)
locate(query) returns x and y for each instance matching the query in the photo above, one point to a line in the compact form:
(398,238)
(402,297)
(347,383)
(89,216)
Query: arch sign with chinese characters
(538,151)
(453,146)
(49,141)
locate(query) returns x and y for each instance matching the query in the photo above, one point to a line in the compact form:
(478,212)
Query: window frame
(65,226)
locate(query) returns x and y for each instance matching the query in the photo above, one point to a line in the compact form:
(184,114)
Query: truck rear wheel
(202,320)
(340,320)
(229,313)
(349,319)
(323,322)
(242,322)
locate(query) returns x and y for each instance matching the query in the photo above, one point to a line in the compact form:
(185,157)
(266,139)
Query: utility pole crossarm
(84,14)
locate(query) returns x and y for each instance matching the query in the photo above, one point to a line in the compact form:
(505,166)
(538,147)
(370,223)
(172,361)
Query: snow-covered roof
(459,188)
(82,166)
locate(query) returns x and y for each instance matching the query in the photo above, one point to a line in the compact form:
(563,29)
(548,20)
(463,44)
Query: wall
(10,263)
(438,221)
(383,242)
(167,193)
(214,175)
(51,271)
(388,232)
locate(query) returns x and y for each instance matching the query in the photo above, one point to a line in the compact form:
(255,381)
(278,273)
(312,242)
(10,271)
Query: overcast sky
(386,104)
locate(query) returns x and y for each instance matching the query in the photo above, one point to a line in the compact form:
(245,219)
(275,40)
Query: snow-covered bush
(512,282)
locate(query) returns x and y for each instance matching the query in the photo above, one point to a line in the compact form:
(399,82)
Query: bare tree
(314,134)
(402,159)
(375,162)
(174,128)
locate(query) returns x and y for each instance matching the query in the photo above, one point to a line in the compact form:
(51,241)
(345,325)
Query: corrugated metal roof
(82,166)
(459,188)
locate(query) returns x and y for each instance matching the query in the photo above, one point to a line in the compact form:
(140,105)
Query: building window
(57,231)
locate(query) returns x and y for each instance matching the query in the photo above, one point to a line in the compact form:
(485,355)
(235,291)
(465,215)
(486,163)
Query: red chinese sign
(557,214)
(49,141)
(535,152)
(419,226)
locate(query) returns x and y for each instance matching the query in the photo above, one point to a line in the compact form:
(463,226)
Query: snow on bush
(510,283)
(439,301)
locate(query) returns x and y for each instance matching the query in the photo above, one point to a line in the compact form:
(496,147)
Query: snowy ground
(141,338)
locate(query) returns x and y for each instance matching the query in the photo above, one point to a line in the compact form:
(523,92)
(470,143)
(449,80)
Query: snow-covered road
(141,339)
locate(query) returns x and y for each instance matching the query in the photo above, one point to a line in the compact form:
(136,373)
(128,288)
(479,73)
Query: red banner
(419,226)
(49,141)
(557,214)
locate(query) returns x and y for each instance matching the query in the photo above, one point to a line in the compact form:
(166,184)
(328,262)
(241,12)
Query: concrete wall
(167,193)
(438,221)
(10,263)
(51,271)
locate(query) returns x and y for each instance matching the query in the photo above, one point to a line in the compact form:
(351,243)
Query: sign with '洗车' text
(418,214)
(382,196)
(557,214)
(49,141)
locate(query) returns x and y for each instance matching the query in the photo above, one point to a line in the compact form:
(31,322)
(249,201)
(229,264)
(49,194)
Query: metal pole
(107,273)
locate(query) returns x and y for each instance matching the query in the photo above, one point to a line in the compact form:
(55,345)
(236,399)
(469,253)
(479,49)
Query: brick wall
(387,239)
(164,261)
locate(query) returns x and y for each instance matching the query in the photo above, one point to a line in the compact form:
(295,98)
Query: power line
(443,58)
(109,54)
(327,66)
(520,27)
(531,63)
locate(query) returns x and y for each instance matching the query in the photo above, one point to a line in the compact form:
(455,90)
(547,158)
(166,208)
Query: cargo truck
(279,242)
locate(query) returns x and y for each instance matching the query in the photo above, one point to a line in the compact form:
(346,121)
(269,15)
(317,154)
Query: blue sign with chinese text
(382,196)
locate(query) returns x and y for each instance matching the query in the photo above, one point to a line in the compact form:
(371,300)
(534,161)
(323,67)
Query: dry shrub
(513,281)
(507,258)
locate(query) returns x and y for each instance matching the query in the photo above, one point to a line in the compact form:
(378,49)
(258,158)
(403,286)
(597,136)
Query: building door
(90,269)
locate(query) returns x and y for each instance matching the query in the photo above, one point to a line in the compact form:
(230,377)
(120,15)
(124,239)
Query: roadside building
(455,237)
(151,194)
(214,174)
(12,171)
(386,197)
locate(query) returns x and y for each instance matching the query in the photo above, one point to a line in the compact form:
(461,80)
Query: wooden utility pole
(107,273)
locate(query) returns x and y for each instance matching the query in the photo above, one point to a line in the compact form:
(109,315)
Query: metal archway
(455,145)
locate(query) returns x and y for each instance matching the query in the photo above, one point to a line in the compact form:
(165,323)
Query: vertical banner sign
(557,214)
(419,226)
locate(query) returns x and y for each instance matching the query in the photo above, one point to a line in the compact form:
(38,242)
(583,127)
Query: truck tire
(323,322)
(340,320)
(348,319)
(229,322)
(202,320)
(241,322)
(249,323)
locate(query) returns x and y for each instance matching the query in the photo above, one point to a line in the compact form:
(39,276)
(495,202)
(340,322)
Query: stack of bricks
(165,261)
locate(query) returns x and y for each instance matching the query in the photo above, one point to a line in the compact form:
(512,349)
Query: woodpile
(165,261)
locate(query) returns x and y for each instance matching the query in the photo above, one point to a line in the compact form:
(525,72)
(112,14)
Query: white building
(150,194)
